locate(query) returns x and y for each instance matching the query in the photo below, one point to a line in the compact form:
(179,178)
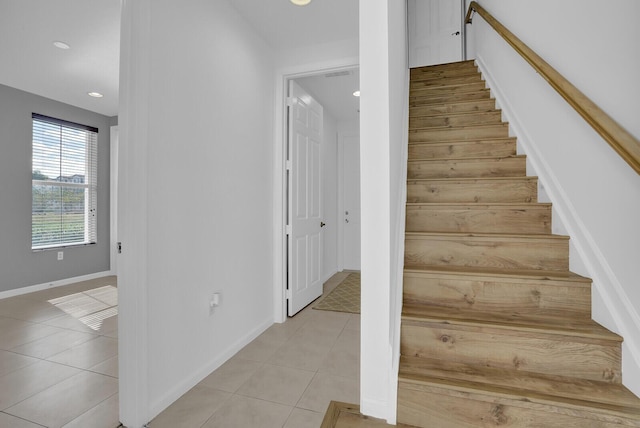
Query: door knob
(457,33)
(346,220)
(322,224)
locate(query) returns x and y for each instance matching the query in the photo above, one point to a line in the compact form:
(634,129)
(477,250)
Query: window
(63,183)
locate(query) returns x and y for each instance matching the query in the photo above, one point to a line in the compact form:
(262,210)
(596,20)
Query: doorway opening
(333,88)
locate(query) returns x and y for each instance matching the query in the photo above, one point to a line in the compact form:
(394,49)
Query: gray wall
(19,265)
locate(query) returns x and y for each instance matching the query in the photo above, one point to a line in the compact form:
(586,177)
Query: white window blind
(64,183)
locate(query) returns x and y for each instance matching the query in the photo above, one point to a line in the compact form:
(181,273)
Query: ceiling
(30,62)
(335,92)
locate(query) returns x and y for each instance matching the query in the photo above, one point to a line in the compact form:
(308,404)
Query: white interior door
(351,202)
(304,282)
(435,31)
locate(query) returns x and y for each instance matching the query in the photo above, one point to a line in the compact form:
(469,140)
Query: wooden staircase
(496,331)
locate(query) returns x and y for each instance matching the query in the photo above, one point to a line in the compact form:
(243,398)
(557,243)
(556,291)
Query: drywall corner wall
(20,266)
(196,132)
(596,195)
(383,83)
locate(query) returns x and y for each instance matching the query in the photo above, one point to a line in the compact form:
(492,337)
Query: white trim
(59,283)
(113,198)
(279,171)
(186,384)
(400,228)
(605,282)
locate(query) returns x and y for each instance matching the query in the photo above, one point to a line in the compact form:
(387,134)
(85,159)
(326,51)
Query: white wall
(596,195)
(383,83)
(330,195)
(196,135)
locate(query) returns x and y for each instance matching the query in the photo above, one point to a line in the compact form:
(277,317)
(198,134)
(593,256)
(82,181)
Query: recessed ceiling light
(300,2)
(356,94)
(61,45)
(95,94)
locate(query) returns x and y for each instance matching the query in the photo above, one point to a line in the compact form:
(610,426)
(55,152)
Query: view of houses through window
(63,175)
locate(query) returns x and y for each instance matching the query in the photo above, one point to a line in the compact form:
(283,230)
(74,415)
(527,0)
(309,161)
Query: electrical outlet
(60,255)
(214,302)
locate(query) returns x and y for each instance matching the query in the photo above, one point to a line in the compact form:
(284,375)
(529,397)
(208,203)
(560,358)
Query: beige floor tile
(108,367)
(232,374)
(63,402)
(8,421)
(301,418)
(281,332)
(24,332)
(104,415)
(88,354)
(53,344)
(344,357)
(245,412)
(23,383)
(353,323)
(109,326)
(78,304)
(324,388)
(282,385)
(301,353)
(29,310)
(258,350)
(68,322)
(10,361)
(192,409)
(107,294)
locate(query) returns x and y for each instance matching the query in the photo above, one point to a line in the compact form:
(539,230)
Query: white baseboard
(626,320)
(59,283)
(181,388)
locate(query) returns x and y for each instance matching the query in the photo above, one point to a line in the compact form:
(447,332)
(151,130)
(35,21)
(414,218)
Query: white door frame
(283,77)
(113,195)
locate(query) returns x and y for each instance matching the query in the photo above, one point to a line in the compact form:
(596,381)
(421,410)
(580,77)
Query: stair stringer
(610,304)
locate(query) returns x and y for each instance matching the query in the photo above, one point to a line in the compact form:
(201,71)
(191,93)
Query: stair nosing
(520,178)
(477,140)
(491,235)
(458,103)
(551,329)
(481,204)
(502,124)
(457,114)
(475,158)
(526,274)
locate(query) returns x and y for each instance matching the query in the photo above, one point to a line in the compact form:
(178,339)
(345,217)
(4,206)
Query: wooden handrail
(627,146)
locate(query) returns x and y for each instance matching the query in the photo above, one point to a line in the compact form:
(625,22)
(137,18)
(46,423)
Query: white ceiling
(30,62)
(335,93)
(286,26)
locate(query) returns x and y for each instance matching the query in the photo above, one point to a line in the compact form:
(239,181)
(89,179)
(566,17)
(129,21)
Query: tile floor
(59,366)
(284,378)
(59,357)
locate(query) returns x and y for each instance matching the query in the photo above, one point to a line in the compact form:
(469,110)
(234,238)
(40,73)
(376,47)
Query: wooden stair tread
(470,205)
(450,142)
(472,180)
(526,274)
(464,127)
(455,103)
(447,66)
(554,323)
(456,114)
(473,159)
(501,236)
(523,386)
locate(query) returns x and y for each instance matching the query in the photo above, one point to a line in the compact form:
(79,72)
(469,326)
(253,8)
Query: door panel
(305,200)
(435,31)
